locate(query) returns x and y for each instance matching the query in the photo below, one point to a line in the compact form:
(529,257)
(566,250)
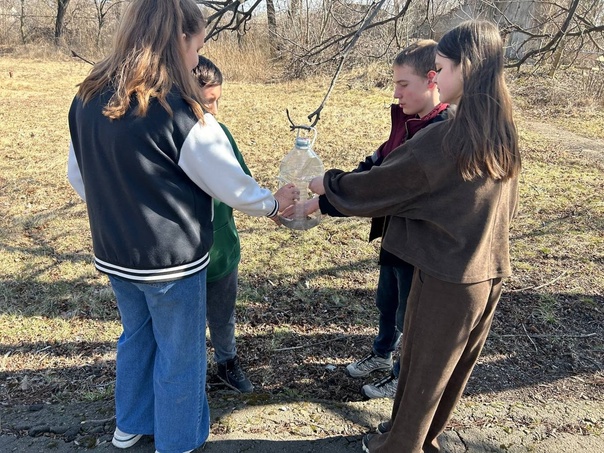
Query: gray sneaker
(384,427)
(386,388)
(365,442)
(368,365)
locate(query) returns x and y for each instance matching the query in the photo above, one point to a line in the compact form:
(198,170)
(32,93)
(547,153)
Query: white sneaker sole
(365,447)
(126,442)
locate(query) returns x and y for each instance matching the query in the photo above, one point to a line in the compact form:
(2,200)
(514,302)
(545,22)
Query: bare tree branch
(536,29)
(229,15)
(316,115)
(336,40)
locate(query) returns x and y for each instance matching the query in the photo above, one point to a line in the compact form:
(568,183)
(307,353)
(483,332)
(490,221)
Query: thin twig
(311,345)
(316,115)
(75,55)
(540,286)
(103,420)
(587,335)
(529,337)
(597,364)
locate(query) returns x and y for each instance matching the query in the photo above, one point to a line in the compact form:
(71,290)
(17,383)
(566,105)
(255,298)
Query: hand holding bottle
(310,206)
(316,185)
(287,196)
(298,167)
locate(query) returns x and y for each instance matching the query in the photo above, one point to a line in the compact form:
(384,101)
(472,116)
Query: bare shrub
(243,57)
(312,42)
(592,84)
(570,92)
(33,22)
(375,74)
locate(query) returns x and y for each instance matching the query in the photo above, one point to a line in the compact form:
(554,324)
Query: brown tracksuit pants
(446,326)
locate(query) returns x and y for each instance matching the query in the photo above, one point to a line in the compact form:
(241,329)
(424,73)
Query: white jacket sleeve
(208,159)
(73,173)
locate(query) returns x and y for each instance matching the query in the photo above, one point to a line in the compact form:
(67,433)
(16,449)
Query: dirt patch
(490,426)
(589,149)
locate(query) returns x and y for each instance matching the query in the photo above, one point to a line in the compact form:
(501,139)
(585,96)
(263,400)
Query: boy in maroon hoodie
(418,106)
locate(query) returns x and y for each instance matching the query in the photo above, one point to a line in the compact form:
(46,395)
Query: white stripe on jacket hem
(153,275)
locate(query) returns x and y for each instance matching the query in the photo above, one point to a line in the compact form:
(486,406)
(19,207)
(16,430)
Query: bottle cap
(302,142)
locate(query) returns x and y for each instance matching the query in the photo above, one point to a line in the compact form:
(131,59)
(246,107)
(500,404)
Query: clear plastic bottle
(299,167)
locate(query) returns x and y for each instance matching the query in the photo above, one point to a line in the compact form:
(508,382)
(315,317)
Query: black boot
(233,375)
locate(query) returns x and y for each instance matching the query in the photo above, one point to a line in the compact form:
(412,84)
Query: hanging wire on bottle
(294,126)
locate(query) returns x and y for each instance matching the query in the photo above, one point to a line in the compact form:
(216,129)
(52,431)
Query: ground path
(492,426)
(588,148)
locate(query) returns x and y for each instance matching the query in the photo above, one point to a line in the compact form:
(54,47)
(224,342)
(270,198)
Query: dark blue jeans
(391,300)
(222,297)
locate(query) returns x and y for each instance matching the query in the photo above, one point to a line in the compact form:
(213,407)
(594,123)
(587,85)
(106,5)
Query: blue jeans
(161,362)
(393,289)
(222,296)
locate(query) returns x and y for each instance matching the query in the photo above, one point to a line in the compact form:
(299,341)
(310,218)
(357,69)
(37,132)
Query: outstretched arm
(389,189)
(207,158)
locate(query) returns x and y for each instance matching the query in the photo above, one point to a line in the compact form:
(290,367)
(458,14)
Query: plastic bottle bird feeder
(299,167)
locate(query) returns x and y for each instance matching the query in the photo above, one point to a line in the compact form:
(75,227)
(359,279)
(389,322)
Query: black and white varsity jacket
(148,183)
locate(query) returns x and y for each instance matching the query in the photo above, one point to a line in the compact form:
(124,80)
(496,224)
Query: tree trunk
(272,28)
(61,10)
(557,56)
(521,13)
(295,10)
(22,22)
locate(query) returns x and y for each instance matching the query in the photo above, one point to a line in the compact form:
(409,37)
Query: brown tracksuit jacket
(454,230)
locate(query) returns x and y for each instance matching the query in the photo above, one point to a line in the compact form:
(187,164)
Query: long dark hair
(482,135)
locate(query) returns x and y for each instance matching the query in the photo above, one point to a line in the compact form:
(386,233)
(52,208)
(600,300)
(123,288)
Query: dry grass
(244,59)
(573,99)
(58,322)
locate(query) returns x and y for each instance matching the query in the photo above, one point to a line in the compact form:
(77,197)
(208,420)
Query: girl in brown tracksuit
(452,192)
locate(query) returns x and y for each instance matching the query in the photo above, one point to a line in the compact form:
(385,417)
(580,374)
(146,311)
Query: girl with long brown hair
(148,162)
(452,192)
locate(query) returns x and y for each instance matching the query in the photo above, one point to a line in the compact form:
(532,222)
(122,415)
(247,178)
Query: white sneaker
(124,440)
(368,365)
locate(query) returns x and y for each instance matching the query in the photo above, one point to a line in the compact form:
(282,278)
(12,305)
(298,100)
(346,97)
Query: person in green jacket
(224,255)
